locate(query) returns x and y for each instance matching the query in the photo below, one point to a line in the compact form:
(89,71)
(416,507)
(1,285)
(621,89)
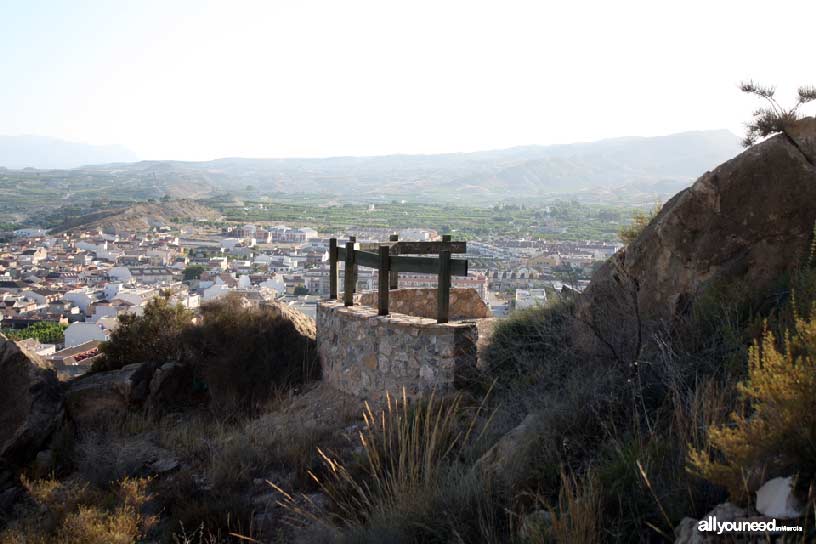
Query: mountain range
(632,169)
(49,153)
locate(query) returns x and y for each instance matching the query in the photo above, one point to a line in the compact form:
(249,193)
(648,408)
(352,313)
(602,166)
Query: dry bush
(246,354)
(777,435)
(575,518)
(78,513)
(774,118)
(640,220)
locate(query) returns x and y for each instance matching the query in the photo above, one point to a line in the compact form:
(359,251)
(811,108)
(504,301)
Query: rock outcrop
(505,459)
(749,220)
(31,403)
(171,388)
(102,396)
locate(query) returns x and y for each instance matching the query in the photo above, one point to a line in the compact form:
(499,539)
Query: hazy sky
(199,80)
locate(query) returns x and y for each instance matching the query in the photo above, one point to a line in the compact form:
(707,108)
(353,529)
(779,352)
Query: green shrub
(45,332)
(640,220)
(532,345)
(150,338)
(777,436)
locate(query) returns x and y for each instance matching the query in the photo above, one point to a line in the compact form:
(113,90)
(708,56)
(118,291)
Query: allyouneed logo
(711,525)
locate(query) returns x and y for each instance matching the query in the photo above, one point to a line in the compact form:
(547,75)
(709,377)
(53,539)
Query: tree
(300,290)
(193,272)
(774,118)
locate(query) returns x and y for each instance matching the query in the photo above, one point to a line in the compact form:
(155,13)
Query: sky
(197,80)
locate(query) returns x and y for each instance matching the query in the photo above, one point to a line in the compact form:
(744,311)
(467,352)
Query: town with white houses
(83,281)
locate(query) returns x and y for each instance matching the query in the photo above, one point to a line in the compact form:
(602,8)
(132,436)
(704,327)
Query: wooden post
(353,240)
(443,287)
(393,281)
(349,277)
(383,283)
(332,268)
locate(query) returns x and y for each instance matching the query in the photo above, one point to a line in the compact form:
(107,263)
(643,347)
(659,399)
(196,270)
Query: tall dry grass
(417,461)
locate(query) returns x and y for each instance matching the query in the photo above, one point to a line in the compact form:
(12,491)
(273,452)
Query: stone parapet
(365,354)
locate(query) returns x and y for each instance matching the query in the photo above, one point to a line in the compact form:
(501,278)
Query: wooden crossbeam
(427,265)
(391,259)
(418,248)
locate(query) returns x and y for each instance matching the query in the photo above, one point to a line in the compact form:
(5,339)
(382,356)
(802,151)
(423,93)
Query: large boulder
(171,388)
(31,403)
(104,396)
(749,220)
(505,461)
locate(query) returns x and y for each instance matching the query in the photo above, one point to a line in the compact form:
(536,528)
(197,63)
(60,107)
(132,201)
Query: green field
(562,220)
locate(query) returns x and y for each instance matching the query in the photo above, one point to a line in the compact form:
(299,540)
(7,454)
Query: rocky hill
(140,216)
(749,221)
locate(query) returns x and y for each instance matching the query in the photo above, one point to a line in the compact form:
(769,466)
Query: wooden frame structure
(391,259)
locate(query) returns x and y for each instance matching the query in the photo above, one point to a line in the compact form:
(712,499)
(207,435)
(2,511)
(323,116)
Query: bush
(76,513)
(640,220)
(777,436)
(532,345)
(244,353)
(150,338)
(241,353)
(774,118)
(44,332)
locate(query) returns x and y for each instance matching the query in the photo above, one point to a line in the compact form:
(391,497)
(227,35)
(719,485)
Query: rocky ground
(196,467)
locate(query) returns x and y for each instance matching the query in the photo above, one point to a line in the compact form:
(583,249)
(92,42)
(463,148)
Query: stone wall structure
(366,355)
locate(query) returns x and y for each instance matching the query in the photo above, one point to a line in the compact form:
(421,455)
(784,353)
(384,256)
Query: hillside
(139,216)
(631,170)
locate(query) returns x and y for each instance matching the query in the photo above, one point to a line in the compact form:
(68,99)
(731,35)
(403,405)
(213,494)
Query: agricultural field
(562,220)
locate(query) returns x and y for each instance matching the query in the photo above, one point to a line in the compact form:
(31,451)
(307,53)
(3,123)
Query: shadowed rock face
(751,219)
(31,403)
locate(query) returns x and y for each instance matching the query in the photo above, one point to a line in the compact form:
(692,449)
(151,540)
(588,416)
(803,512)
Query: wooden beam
(383,287)
(353,240)
(349,275)
(443,285)
(427,265)
(393,280)
(367,259)
(333,269)
(427,248)
(341,252)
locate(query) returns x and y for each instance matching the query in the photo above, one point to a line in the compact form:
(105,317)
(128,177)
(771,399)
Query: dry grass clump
(417,462)
(78,513)
(576,517)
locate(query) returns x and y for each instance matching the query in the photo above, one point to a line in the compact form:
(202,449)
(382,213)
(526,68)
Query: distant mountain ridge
(49,153)
(623,170)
